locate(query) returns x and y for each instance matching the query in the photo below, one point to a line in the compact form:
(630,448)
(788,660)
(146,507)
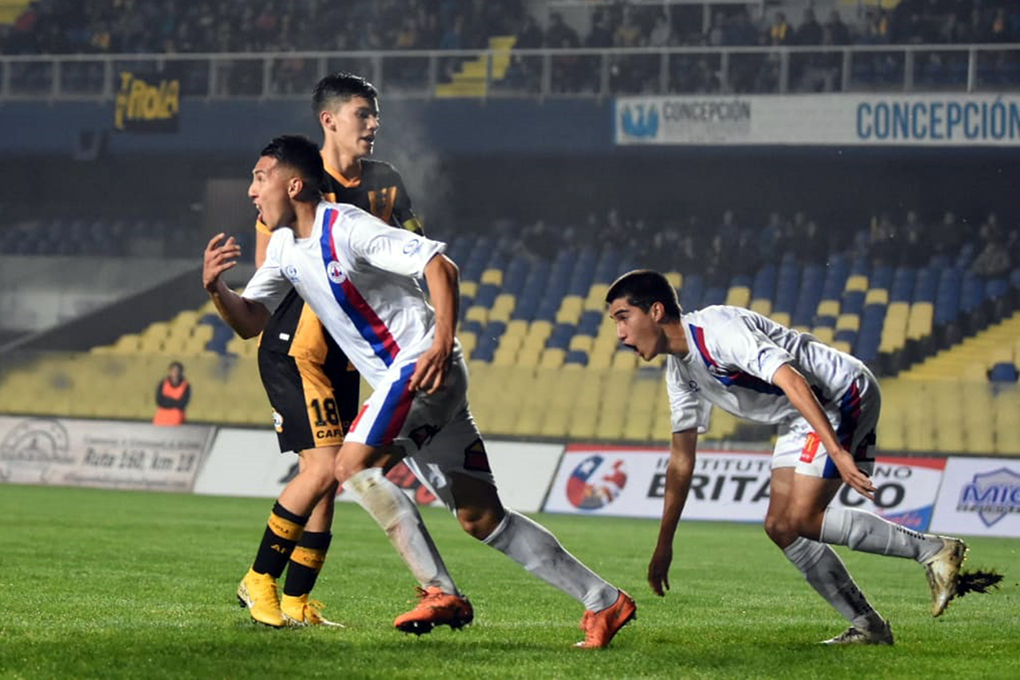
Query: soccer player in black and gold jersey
(313,389)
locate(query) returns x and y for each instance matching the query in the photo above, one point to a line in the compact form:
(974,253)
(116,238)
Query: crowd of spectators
(247,26)
(721,247)
(130,26)
(170,26)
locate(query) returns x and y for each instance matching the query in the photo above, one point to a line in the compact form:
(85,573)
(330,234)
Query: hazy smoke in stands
(403,142)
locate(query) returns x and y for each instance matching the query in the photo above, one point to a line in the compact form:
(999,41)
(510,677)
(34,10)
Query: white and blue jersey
(359,277)
(733,356)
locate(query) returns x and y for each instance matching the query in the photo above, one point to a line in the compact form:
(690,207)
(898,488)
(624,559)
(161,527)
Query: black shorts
(311,385)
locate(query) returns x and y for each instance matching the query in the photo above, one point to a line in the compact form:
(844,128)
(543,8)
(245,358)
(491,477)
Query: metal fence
(579,73)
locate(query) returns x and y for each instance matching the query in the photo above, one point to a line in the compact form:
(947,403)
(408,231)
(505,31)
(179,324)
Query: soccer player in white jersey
(360,278)
(826,405)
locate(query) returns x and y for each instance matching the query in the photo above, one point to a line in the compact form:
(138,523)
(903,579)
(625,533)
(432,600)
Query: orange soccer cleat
(600,627)
(436,608)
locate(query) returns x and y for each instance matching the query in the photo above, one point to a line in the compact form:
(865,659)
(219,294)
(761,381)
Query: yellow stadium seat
(762,306)
(848,322)
(202,333)
(625,360)
(528,356)
(738,296)
(469,289)
(842,346)
(504,301)
(920,320)
(493,276)
(500,314)
(676,279)
(468,342)
(828,308)
(504,356)
(823,333)
(894,328)
(596,299)
(583,343)
(540,329)
(570,309)
(782,318)
(876,296)
(857,282)
(552,358)
(476,313)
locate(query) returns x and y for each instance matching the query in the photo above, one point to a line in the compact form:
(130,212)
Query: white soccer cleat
(856,636)
(943,572)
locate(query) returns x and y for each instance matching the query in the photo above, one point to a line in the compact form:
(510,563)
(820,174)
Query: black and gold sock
(306,562)
(282,533)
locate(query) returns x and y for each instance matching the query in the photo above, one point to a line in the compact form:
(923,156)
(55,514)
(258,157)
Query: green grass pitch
(141,585)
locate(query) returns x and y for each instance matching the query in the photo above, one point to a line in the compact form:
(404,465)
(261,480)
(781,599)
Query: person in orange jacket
(172,395)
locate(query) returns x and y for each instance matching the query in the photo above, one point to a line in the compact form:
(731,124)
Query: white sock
(534,548)
(827,574)
(399,518)
(867,532)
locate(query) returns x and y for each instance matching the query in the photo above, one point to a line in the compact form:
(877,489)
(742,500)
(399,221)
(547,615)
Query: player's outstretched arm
(682,451)
(247,318)
(441,275)
(797,390)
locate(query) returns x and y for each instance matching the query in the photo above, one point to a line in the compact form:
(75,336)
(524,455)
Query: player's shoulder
(715,316)
(280,239)
(378,172)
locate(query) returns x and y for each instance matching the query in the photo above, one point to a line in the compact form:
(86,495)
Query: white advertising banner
(249,463)
(727,485)
(825,119)
(979,497)
(103,454)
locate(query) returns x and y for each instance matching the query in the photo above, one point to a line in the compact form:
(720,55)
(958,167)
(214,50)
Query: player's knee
(322,476)
(779,529)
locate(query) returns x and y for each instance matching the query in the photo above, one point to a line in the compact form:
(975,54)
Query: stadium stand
(545,361)
(928,305)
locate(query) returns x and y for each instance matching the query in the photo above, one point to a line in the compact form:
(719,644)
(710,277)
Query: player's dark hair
(341,86)
(301,154)
(642,288)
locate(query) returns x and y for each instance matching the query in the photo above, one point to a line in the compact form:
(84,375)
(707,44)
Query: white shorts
(854,417)
(436,431)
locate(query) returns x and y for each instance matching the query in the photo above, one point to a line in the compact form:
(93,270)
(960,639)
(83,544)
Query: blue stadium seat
(764,284)
(836,274)
(714,295)
(1003,372)
(902,285)
(972,292)
(852,302)
(846,335)
(691,293)
(577,356)
(560,336)
(472,327)
(926,285)
(589,323)
(881,277)
(996,288)
(487,293)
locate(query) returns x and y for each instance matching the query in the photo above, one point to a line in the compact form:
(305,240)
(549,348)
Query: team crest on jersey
(335,273)
(277,421)
(412,246)
(291,272)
